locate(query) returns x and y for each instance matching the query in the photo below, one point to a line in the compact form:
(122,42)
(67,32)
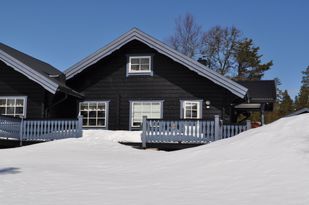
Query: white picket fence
(40,130)
(188,131)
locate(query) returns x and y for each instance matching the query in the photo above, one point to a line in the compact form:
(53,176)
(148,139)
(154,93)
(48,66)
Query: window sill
(140,73)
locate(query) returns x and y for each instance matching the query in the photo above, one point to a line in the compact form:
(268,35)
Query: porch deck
(188,131)
(15,129)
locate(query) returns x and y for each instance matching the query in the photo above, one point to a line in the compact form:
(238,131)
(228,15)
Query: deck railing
(188,131)
(9,127)
(40,130)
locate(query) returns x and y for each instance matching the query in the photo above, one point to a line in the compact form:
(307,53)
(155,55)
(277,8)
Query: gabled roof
(260,91)
(135,34)
(38,71)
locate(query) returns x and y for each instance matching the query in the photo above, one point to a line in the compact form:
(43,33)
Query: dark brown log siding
(171,82)
(13,83)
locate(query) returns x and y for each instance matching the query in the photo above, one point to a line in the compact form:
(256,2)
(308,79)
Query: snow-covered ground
(268,165)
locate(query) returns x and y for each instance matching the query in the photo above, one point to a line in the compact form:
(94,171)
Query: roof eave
(28,72)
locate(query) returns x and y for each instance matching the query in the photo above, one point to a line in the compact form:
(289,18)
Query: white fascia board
(29,72)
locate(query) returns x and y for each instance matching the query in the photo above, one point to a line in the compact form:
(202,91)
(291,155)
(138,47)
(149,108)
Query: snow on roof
(267,165)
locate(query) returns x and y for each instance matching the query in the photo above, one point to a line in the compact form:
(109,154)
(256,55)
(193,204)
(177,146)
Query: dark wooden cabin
(137,75)
(30,88)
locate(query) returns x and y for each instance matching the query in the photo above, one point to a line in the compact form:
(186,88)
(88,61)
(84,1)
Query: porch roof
(260,91)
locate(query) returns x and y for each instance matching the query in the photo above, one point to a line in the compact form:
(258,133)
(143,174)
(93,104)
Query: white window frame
(184,103)
(130,71)
(24,98)
(96,118)
(144,101)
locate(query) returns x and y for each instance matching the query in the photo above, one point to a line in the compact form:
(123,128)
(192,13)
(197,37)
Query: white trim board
(136,34)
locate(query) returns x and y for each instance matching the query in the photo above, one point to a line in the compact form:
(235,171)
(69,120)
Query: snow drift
(267,165)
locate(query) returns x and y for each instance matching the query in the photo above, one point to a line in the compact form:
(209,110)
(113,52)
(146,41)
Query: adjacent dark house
(30,88)
(137,75)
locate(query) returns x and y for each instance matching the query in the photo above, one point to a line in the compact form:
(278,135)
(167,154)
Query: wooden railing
(176,131)
(230,130)
(188,131)
(9,127)
(40,130)
(51,129)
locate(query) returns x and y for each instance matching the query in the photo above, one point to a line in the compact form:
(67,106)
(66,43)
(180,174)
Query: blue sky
(63,32)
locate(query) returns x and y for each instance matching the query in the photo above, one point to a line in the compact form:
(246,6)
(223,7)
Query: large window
(191,109)
(151,109)
(13,106)
(139,64)
(94,113)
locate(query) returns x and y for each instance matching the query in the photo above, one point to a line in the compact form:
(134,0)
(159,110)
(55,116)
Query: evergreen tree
(286,106)
(302,100)
(249,65)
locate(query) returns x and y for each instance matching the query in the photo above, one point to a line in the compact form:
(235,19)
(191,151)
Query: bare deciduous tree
(219,47)
(187,36)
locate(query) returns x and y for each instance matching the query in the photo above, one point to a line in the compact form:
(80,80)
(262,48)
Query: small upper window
(139,64)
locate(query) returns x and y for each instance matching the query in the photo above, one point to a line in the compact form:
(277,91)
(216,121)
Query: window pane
(194,114)
(134,61)
(137,116)
(145,61)
(194,106)
(145,67)
(134,67)
(188,114)
(146,107)
(19,102)
(92,106)
(84,106)
(101,122)
(156,107)
(19,110)
(84,114)
(11,102)
(92,114)
(92,122)
(137,107)
(10,111)
(101,114)
(2,102)
(155,115)
(2,110)
(101,107)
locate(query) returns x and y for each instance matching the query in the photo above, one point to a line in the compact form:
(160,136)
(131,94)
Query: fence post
(80,126)
(144,132)
(217,128)
(21,132)
(248,123)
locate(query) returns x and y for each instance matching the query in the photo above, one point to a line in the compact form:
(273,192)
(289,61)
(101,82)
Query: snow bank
(267,165)
(115,136)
